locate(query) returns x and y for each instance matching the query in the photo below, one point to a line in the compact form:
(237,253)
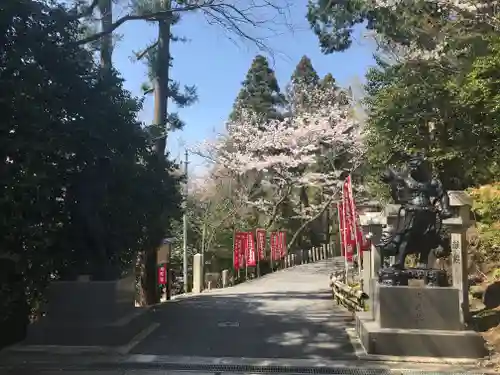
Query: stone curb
(361,354)
(168,364)
(82,350)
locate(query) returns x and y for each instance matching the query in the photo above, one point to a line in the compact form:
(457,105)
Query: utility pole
(203,235)
(184,223)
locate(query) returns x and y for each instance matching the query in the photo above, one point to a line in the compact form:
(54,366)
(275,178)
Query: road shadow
(298,325)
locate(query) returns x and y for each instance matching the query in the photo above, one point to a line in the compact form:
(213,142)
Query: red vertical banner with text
(347,225)
(236,251)
(243,239)
(250,253)
(261,243)
(360,241)
(282,244)
(273,242)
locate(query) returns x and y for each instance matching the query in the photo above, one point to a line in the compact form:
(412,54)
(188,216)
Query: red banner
(239,250)
(261,243)
(273,242)
(236,251)
(250,253)
(353,218)
(349,241)
(243,239)
(162,274)
(282,244)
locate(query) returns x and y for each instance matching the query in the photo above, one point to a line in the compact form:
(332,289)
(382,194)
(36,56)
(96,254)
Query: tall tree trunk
(106,47)
(160,82)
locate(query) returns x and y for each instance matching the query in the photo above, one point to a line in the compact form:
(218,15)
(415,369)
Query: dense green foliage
(451,114)
(487,211)
(80,190)
(444,106)
(410,22)
(435,88)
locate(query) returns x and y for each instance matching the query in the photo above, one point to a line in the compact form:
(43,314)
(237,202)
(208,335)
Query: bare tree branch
(311,219)
(232,18)
(277,206)
(140,55)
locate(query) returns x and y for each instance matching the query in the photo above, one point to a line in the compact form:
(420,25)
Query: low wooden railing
(351,298)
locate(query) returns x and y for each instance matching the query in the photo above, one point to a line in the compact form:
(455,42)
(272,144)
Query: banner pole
(271,250)
(354,223)
(247,250)
(341,235)
(344,234)
(239,258)
(234,251)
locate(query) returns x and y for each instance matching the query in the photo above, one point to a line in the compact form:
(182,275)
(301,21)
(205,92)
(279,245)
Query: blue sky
(217,66)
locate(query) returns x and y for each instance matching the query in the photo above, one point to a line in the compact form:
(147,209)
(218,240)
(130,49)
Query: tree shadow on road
(269,325)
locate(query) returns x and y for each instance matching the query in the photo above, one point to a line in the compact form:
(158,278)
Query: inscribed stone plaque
(408,307)
(416,283)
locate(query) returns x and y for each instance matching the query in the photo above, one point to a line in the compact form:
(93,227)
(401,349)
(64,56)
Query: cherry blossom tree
(275,159)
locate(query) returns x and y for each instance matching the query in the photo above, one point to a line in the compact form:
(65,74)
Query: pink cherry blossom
(279,157)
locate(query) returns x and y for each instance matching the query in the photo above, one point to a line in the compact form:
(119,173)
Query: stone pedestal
(421,322)
(457,225)
(371,223)
(197,274)
(89,313)
(225,278)
(366,275)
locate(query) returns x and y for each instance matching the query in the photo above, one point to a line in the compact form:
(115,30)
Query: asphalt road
(287,314)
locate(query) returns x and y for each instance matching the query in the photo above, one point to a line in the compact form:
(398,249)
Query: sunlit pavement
(285,322)
(288,314)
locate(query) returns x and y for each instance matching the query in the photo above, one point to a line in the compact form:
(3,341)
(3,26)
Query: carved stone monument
(414,312)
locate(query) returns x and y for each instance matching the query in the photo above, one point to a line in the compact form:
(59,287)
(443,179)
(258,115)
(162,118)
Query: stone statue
(424,204)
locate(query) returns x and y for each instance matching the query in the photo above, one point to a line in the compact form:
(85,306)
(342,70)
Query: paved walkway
(287,314)
(284,322)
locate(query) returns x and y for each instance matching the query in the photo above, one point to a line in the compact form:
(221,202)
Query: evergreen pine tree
(342,96)
(328,81)
(304,72)
(260,92)
(180,96)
